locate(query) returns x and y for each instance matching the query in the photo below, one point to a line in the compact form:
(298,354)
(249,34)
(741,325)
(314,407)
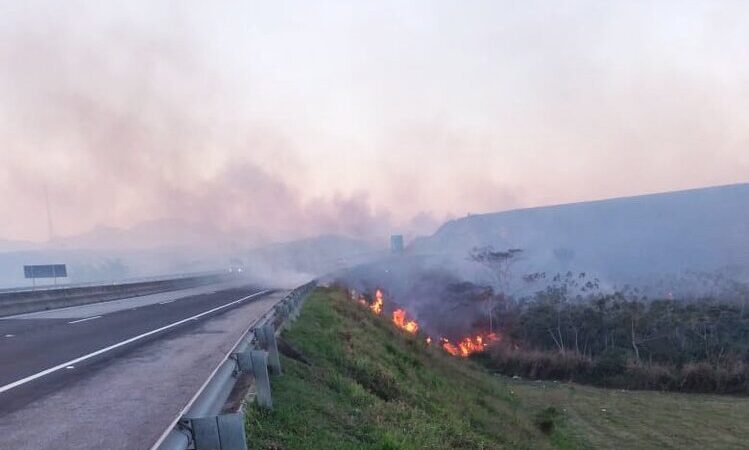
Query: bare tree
(499,265)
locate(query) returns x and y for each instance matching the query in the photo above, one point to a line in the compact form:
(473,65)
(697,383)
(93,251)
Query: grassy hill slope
(371,386)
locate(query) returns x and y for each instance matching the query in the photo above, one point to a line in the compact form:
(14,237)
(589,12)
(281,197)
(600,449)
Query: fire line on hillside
(464,348)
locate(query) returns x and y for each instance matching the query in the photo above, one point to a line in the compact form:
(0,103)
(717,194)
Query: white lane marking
(70,367)
(84,320)
(72,362)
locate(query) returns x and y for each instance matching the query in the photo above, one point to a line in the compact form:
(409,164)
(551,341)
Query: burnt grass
(363,384)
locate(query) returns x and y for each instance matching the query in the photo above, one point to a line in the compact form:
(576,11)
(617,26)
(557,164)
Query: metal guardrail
(166,277)
(20,302)
(201,425)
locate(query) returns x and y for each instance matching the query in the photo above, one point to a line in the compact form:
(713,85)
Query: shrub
(610,363)
(726,378)
(538,364)
(649,376)
(546,419)
(375,379)
(733,378)
(698,377)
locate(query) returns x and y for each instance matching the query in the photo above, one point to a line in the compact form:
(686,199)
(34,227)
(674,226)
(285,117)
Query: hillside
(369,386)
(620,239)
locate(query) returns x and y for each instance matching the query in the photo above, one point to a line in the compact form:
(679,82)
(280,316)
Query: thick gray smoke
(149,165)
(138,121)
(125,126)
(687,245)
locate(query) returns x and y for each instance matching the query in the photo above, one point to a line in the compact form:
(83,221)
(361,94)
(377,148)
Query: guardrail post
(268,341)
(224,432)
(295,302)
(231,430)
(285,310)
(262,380)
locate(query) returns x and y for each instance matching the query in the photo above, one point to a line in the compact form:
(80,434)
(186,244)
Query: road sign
(45,271)
(396,244)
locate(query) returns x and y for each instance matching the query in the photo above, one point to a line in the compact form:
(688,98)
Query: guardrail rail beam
(201,425)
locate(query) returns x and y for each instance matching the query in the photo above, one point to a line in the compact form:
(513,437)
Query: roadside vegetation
(369,385)
(357,382)
(619,341)
(570,330)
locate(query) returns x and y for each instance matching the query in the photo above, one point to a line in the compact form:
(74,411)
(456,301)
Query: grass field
(615,419)
(371,386)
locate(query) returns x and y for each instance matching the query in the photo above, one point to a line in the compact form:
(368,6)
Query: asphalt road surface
(113,375)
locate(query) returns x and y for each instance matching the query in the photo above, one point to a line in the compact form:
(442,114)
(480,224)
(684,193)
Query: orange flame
(376,307)
(449,347)
(468,345)
(399,319)
(465,348)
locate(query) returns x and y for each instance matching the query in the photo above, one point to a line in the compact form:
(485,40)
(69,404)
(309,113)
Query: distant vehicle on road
(236,265)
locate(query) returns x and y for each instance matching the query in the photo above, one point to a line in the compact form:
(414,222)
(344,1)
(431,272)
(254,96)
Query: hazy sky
(289,118)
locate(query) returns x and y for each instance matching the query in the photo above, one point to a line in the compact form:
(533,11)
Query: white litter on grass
(603,409)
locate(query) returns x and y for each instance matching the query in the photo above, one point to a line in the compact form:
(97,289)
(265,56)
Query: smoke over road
(124,124)
(356,119)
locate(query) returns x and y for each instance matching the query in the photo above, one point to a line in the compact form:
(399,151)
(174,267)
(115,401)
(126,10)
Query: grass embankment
(370,386)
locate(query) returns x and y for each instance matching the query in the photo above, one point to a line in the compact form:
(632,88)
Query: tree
(498,265)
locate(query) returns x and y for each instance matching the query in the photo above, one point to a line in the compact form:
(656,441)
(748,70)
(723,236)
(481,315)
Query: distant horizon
(301,238)
(293,119)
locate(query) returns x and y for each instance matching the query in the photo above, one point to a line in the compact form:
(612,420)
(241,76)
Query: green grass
(643,419)
(370,386)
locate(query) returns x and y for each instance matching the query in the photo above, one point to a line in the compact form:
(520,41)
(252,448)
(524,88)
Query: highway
(68,376)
